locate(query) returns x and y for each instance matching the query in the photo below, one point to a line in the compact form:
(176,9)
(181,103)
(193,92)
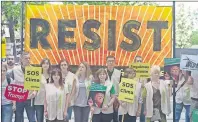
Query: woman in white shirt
(68,78)
(40,97)
(128,112)
(104,114)
(55,105)
(156,97)
(80,91)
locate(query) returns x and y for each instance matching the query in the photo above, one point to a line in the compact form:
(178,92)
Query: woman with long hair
(40,97)
(68,78)
(80,91)
(105,112)
(55,104)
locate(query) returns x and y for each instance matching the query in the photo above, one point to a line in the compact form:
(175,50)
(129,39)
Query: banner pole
(174,44)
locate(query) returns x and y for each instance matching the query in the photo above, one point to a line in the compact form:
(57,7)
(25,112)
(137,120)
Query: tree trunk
(12,36)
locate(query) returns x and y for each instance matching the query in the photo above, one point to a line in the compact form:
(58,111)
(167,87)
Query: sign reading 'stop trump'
(92,32)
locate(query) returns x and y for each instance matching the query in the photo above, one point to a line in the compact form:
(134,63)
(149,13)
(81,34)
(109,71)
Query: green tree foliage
(194,37)
(11,13)
(185,21)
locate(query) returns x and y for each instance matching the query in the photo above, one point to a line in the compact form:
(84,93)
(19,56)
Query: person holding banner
(55,104)
(40,97)
(114,76)
(104,114)
(18,76)
(128,112)
(156,98)
(7,106)
(68,78)
(175,71)
(80,90)
(183,95)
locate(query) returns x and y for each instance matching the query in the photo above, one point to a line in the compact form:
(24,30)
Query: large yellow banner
(92,32)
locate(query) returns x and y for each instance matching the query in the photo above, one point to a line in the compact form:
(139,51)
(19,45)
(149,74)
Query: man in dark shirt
(114,76)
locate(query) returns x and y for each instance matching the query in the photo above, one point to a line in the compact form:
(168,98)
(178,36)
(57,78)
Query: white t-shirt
(183,94)
(40,97)
(194,88)
(56,100)
(69,80)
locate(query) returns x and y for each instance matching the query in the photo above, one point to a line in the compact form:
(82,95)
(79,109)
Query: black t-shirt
(110,73)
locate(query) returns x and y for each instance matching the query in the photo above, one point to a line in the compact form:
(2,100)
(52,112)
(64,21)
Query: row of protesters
(66,78)
(79,97)
(68,92)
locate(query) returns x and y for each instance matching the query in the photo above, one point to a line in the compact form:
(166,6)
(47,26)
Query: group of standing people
(62,92)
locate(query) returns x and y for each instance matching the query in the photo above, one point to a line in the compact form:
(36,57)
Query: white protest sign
(189,62)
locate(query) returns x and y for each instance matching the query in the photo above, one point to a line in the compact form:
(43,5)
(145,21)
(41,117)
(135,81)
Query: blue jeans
(142,116)
(29,110)
(69,112)
(178,110)
(39,112)
(6,113)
